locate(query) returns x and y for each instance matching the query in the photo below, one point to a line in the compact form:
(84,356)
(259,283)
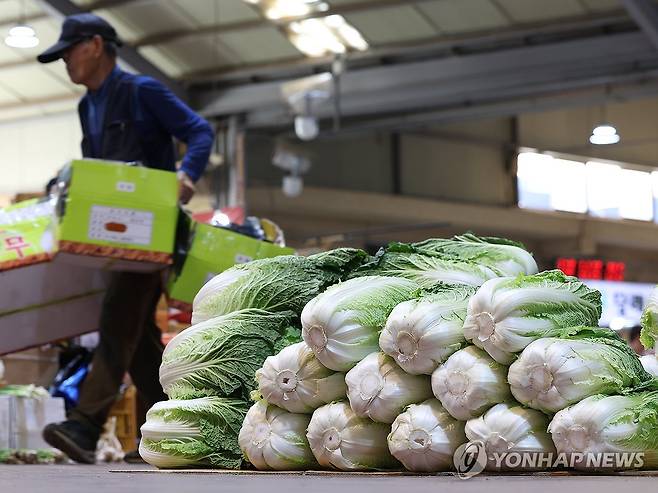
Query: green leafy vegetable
(649,334)
(420,334)
(197,432)
(275,284)
(220,356)
(554,372)
(508,257)
(426,270)
(507,314)
(342,324)
(617,423)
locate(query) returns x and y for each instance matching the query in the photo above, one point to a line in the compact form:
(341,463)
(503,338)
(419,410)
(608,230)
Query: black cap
(77,28)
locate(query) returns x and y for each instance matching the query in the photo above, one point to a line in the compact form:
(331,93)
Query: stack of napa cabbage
(405,357)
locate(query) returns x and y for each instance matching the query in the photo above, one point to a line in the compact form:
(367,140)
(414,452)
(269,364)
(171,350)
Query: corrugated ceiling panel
(127,31)
(454,16)
(143,19)
(539,10)
(259,45)
(8,54)
(33,82)
(57,70)
(191,54)
(392,24)
(12,10)
(208,12)
(160,57)
(7,96)
(602,5)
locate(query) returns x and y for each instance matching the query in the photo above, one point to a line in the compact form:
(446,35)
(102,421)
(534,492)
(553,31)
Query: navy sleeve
(178,119)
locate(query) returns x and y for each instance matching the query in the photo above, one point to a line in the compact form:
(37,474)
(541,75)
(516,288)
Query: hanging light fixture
(22,35)
(604,133)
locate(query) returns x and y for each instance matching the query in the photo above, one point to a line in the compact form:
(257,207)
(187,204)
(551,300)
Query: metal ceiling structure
(428,60)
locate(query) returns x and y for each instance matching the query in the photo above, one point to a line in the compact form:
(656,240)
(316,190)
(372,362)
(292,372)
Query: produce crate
(124,217)
(125,412)
(211,251)
(54,253)
(27,231)
(22,419)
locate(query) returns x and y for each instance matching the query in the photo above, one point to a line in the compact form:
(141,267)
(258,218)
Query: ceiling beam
(645,15)
(129,54)
(456,81)
(484,40)
(30,18)
(342,9)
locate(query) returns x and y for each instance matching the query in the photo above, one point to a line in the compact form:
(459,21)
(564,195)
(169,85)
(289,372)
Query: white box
(22,420)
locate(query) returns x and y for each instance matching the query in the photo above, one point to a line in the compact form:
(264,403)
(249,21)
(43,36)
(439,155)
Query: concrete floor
(121,478)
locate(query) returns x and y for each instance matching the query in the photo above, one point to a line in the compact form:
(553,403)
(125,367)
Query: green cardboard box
(213,250)
(27,233)
(43,299)
(114,210)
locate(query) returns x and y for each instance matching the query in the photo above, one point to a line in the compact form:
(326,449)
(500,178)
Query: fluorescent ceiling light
(319,37)
(22,36)
(604,134)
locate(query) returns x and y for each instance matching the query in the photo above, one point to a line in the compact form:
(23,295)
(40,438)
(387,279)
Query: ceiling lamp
(604,134)
(325,36)
(22,36)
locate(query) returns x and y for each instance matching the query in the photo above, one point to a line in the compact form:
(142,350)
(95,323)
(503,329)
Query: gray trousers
(129,342)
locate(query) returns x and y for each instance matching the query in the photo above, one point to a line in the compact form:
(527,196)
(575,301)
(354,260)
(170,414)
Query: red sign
(592,268)
(568,265)
(16,243)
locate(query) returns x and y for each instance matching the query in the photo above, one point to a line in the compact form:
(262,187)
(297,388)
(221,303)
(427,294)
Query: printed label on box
(120,225)
(125,186)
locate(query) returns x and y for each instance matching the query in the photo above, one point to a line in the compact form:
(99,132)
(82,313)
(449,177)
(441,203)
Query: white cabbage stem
(421,334)
(342,325)
(509,427)
(424,437)
(507,314)
(551,373)
(469,383)
(379,389)
(296,381)
(608,424)
(272,438)
(341,440)
(650,364)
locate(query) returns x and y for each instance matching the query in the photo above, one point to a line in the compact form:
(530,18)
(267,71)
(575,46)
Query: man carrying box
(124,117)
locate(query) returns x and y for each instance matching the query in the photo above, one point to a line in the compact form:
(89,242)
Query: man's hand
(186,188)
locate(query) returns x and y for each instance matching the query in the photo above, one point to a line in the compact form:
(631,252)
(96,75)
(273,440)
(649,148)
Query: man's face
(82,60)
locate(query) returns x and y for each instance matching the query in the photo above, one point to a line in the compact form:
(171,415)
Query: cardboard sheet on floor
(231,472)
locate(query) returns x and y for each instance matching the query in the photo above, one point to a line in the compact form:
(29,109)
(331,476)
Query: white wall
(33,149)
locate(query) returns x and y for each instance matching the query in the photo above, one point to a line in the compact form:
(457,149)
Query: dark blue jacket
(140,118)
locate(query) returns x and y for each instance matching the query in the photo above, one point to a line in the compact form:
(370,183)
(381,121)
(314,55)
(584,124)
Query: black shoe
(74,439)
(133,458)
